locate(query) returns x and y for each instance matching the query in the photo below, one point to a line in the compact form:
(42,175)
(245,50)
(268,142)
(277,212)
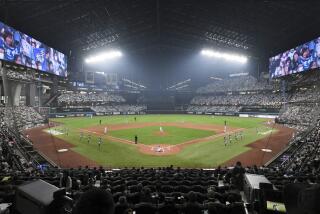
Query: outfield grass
(83,122)
(205,154)
(173,135)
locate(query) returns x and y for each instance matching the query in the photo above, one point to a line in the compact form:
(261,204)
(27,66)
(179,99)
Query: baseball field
(181,140)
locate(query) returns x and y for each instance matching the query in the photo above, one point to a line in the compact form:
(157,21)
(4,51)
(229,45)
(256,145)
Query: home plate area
(161,149)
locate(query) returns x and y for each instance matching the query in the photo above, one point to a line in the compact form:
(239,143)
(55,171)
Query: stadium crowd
(233,93)
(306,159)
(302,114)
(239,100)
(301,161)
(298,105)
(79,98)
(309,96)
(12,158)
(205,108)
(242,83)
(119,108)
(22,75)
(22,117)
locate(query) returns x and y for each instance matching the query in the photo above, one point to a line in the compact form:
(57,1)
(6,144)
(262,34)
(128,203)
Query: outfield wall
(213,113)
(88,112)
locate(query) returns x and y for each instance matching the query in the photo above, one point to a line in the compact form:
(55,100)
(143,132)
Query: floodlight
(225,56)
(103,56)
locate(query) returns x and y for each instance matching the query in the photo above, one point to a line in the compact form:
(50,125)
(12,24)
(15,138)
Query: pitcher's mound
(158,133)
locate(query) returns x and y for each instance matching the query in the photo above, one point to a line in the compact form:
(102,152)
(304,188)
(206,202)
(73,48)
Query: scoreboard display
(19,48)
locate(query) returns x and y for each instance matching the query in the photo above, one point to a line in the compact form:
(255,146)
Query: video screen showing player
(296,60)
(24,50)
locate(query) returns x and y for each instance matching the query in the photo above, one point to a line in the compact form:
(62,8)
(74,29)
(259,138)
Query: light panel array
(103,56)
(225,56)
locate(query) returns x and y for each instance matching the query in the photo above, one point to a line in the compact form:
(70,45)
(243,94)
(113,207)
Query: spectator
(122,206)
(97,201)
(237,175)
(65,180)
(192,206)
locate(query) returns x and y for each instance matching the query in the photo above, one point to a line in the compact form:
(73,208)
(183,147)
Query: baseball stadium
(159,107)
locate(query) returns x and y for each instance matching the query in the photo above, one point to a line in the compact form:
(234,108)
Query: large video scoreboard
(24,50)
(300,59)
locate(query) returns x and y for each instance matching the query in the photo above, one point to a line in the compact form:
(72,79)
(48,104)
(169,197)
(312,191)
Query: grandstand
(159,107)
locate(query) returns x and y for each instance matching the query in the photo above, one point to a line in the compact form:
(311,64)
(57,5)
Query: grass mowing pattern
(205,154)
(173,135)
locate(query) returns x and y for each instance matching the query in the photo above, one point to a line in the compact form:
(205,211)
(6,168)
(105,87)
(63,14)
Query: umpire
(135,139)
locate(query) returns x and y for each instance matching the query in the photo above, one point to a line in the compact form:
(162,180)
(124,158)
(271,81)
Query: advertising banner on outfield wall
(258,115)
(215,113)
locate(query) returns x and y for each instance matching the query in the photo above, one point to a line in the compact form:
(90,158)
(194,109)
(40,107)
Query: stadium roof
(256,28)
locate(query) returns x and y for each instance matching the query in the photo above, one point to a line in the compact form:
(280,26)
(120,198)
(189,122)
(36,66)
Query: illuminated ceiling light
(103,56)
(99,72)
(225,56)
(215,78)
(238,74)
(133,83)
(179,83)
(181,87)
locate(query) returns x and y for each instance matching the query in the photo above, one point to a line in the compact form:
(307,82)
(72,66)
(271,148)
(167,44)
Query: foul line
(121,140)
